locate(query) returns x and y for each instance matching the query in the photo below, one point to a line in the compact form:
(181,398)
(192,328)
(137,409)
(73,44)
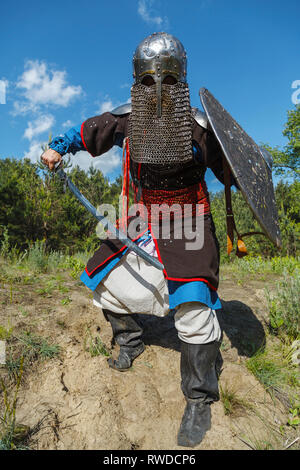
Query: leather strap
(241,249)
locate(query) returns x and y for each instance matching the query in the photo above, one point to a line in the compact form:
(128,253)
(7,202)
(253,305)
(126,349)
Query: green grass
(12,365)
(257,265)
(37,260)
(269,436)
(23,312)
(95,346)
(5,332)
(13,436)
(232,403)
(66,301)
(47,288)
(260,443)
(294,417)
(37,347)
(30,347)
(273,368)
(62,324)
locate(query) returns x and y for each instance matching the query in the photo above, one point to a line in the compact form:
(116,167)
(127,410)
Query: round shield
(247,164)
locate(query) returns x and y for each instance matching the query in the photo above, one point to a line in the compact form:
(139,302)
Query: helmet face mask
(159,59)
(160,123)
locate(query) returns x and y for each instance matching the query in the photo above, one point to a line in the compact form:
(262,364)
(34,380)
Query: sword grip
(57,166)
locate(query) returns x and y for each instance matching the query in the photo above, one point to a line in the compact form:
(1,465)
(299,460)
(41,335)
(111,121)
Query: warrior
(168,147)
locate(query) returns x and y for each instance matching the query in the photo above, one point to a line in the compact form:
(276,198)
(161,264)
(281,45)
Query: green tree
(286,161)
(34,206)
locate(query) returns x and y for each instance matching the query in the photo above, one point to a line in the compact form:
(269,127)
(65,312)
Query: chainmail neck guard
(165,140)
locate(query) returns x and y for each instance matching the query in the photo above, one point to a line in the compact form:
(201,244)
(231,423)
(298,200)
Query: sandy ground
(75,401)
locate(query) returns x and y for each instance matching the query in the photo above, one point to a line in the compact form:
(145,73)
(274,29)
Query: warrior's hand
(50,157)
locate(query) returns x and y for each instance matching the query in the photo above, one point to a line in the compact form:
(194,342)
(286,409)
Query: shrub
(284,307)
(36,257)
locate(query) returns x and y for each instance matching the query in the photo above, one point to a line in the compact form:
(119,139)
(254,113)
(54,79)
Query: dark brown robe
(99,134)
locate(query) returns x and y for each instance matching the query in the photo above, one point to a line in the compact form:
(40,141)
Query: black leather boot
(127,334)
(200,367)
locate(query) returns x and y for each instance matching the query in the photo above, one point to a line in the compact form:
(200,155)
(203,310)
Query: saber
(115,231)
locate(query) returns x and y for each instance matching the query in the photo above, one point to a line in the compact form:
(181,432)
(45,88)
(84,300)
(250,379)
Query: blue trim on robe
(70,142)
(179,291)
(93,281)
(193,291)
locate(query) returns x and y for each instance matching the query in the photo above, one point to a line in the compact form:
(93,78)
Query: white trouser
(134,286)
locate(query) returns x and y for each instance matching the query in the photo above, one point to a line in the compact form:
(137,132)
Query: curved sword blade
(115,231)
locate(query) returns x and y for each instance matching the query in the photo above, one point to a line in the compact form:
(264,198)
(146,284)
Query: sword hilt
(57,166)
(58,169)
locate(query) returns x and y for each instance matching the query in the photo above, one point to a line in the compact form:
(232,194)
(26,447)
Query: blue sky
(64,61)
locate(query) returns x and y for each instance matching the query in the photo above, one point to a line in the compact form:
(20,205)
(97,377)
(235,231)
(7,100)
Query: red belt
(193,200)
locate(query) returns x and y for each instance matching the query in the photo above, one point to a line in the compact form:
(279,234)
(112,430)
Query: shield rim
(277,240)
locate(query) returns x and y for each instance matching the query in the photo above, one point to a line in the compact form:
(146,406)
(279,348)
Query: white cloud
(144,10)
(107,163)
(106,106)
(35,151)
(42,124)
(42,86)
(3,90)
(67,124)
(6,82)
(126,85)
(109,104)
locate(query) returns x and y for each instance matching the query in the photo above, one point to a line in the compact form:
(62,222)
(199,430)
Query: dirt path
(77,402)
